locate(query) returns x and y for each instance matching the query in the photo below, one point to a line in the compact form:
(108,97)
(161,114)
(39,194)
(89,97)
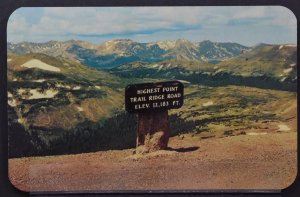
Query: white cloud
(250,12)
(17,24)
(284,17)
(135,22)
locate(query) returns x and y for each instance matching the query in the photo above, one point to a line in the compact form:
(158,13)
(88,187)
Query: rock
(206,135)
(283,127)
(142,149)
(156,141)
(228,133)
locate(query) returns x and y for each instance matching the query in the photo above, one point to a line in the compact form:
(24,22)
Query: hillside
(40,79)
(48,97)
(279,61)
(264,66)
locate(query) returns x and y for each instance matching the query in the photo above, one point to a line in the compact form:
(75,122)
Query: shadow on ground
(183,150)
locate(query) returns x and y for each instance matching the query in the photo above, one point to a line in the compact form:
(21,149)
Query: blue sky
(248,25)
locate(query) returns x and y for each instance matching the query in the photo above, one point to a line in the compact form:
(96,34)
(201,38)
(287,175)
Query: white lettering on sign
(174,95)
(137,99)
(156,97)
(141,106)
(149,96)
(149,90)
(161,104)
(169,89)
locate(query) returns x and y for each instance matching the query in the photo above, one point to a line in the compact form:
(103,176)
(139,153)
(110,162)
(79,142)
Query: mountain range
(121,51)
(199,62)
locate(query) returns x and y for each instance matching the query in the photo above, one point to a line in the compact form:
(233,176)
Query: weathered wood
(152,131)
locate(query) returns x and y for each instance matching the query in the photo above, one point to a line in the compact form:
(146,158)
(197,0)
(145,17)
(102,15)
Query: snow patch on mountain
(36,94)
(12,102)
(9,95)
(35,63)
(59,85)
(39,80)
(21,91)
(290,45)
(77,88)
(183,81)
(219,70)
(155,65)
(283,79)
(166,45)
(288,70)
(209,103)
(160,67)
(30,94)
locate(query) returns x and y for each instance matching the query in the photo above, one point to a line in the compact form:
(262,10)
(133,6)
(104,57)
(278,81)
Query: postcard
(166,98)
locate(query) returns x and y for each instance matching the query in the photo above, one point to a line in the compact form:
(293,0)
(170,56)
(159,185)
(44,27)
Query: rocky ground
(253,160)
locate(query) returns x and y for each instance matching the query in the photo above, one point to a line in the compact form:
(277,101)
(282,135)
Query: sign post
(151,102)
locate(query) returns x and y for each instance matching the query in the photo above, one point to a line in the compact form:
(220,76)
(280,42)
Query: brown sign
(153,96)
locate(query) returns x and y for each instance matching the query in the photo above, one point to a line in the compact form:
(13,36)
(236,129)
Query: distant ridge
(115,52)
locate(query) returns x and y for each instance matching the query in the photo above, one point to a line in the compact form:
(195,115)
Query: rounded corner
(15,186)
(128,87)
(294,180)
(11,14)
(289,10)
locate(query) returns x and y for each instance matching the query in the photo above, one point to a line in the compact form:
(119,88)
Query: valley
(66,111)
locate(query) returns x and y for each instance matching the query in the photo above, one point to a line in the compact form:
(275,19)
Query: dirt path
(237,162)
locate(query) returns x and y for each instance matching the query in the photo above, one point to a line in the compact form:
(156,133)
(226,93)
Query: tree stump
(152,131)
